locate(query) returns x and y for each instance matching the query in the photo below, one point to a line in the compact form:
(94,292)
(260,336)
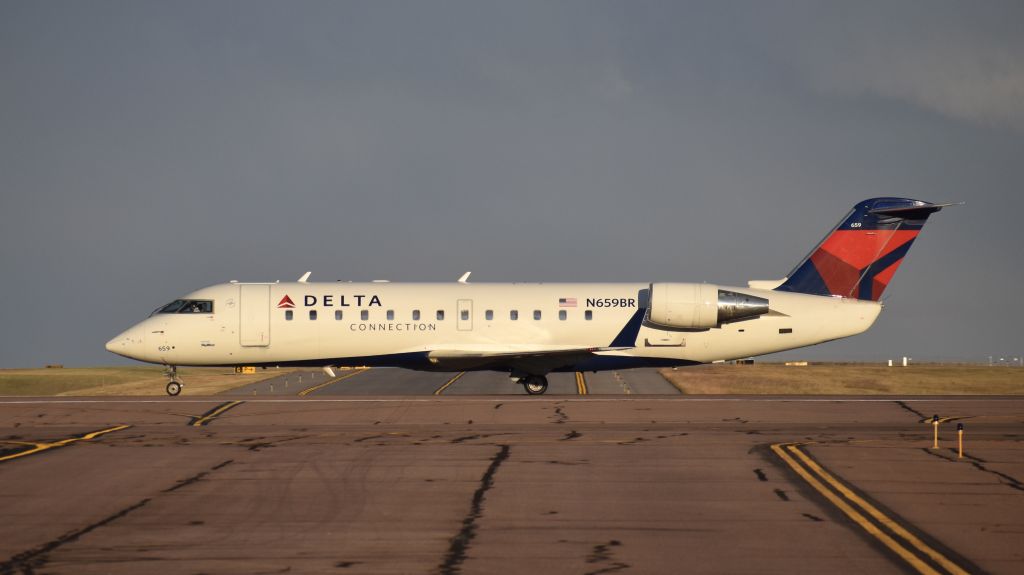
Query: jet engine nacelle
(700,306)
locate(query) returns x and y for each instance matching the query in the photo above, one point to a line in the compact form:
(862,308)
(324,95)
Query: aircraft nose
(126,343)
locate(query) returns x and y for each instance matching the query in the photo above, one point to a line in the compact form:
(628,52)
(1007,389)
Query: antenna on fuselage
(465,278)
(304,277)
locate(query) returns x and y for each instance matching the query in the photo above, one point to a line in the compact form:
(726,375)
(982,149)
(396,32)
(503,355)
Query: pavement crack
(781,495)
(760,475)
(459,544)
(560,416)
(573,434)
(197,477)
(465,438)
(367,438)
(28,561)
(911,409)
(603,554)
(1007,480)
(260,445)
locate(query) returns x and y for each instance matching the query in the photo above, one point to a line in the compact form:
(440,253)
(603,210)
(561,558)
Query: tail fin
(859,257)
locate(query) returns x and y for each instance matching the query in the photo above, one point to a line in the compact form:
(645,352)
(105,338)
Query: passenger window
(561,314)
(337,314)
(588,315)
(391,315)
(364,315)
(312,314)
(288,315)
(536,314)
(489,314)
(415,315)
(440,314)
(513,315)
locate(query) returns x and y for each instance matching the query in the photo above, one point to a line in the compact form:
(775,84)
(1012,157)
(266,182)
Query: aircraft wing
(529,359)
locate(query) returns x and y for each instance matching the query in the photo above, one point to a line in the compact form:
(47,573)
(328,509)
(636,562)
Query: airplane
(532,329)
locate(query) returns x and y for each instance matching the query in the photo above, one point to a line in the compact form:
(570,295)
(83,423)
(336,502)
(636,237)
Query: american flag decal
(566,302)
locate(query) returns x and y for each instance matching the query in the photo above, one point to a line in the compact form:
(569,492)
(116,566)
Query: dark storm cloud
(147,149)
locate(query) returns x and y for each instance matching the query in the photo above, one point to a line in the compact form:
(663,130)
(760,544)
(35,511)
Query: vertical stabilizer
(858,258)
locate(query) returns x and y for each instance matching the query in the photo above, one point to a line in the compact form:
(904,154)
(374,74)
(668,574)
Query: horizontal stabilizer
(915,212)
(765,284)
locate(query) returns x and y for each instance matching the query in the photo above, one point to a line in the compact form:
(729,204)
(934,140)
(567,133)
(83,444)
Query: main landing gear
(534,384)
(174,386)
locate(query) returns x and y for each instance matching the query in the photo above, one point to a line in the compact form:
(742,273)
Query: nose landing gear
(174,386)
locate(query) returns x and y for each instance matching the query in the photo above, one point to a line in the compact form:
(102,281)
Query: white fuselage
(432,325)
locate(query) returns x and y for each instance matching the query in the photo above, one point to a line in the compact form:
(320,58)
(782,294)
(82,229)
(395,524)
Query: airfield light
(960,440)
(935,426)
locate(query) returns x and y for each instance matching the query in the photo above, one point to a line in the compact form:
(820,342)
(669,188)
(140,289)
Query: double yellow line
(581,383)
(919,555)
(310,390)
(37,447)
(448,383)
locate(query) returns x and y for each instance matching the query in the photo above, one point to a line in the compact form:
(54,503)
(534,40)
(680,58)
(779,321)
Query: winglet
(465,278)
(304,277)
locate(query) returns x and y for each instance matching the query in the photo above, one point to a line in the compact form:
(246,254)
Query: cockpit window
(172,307)
(197,306)
(186,306)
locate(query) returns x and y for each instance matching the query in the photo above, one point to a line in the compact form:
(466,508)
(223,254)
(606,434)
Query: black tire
(173,388)
(536,385)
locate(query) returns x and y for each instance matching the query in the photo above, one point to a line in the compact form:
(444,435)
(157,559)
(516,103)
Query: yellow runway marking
(213,413)
(310,390)
(441,389)
(581,383)
(846,500)
(947,419)
(37,447)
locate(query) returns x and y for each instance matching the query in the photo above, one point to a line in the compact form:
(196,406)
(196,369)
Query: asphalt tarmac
(509,484)
(388,381)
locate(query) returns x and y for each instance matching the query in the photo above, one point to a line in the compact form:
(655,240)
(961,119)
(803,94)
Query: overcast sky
(148,149)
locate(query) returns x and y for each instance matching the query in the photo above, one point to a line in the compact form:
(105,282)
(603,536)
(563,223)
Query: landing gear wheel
(535,384)
(173,388)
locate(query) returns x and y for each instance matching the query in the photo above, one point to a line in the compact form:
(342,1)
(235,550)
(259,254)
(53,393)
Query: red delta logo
(286,302)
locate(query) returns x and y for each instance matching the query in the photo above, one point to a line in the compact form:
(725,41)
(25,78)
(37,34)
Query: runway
(356,483)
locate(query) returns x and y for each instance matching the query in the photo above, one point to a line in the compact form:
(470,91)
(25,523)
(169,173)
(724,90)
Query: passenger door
(254,315)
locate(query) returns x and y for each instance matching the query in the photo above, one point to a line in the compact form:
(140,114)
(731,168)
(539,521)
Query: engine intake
(700,306)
